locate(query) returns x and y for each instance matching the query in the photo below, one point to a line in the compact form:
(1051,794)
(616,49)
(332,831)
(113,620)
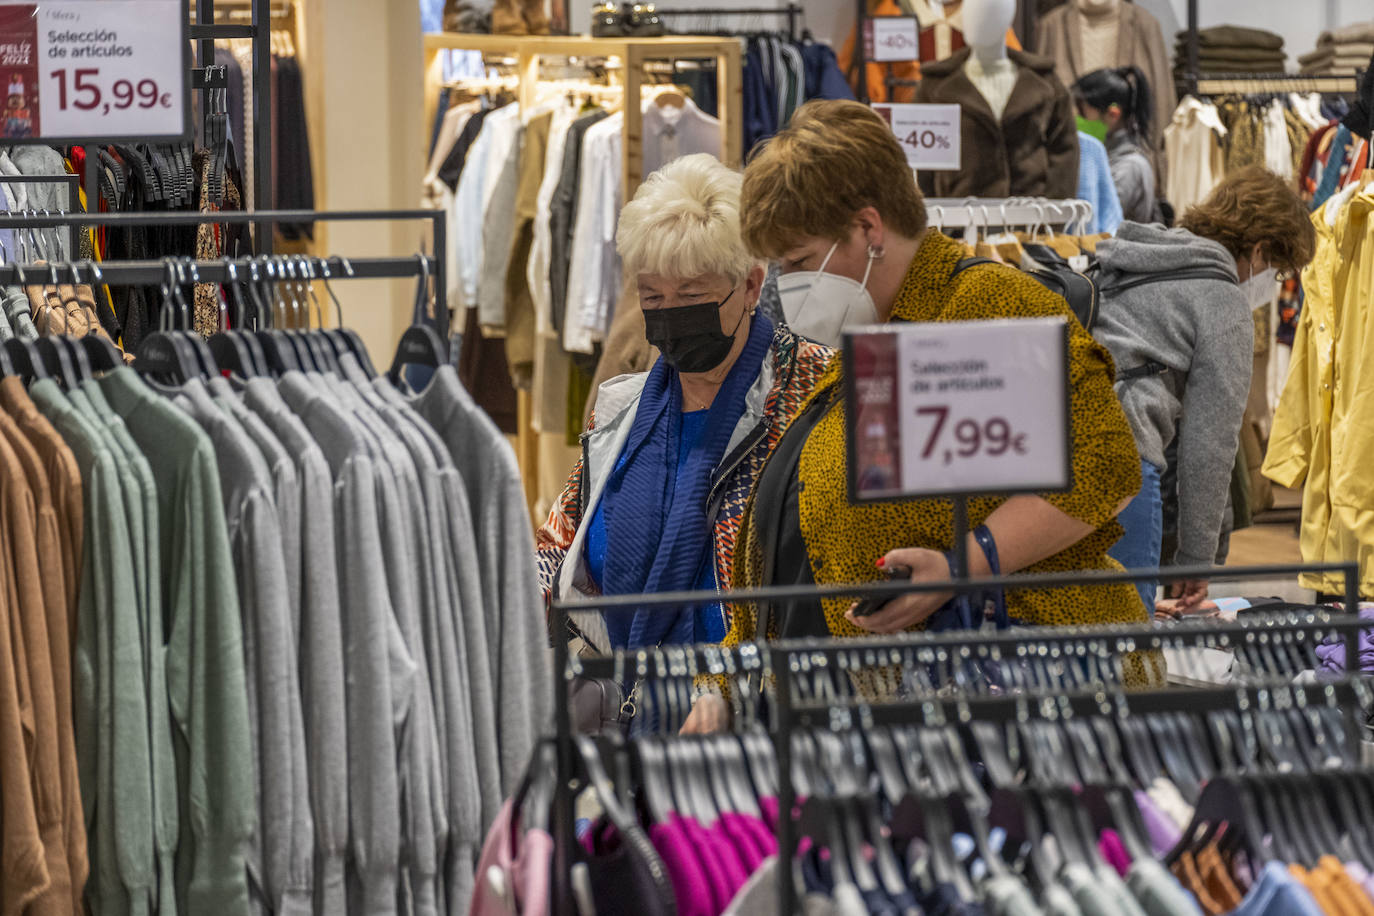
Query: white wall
(365,62)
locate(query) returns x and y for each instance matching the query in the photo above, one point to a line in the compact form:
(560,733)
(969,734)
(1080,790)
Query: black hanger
(725,754)
(883,755)
(649,767)
(532,803)
(58,361)
(762,762)
(280,355)
(311,343)
(346,337)
(166,352)
(420,345)
(690,784)
(28,362)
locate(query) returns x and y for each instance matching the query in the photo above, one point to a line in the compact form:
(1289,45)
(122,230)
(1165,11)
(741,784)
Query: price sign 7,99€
(960,408)
(83,69)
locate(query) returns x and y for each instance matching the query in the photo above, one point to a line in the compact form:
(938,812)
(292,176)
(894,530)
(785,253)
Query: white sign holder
(928,134)
(78,72)
(957,409)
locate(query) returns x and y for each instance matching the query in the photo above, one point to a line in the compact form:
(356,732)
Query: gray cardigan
(1202,331)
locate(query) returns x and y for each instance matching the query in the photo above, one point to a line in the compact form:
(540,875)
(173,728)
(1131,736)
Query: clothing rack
(793,12)
(1344,695)
(1008,211)
(436,219)
(782,660)
(632,54)
(1265,83)
(205,31)
(73,186)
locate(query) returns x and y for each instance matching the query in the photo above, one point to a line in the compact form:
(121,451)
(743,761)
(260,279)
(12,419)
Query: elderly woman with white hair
(671,454)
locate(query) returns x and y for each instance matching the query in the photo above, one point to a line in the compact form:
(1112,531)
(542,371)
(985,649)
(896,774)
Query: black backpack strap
(1145,370)
(965,263)
(1201,273)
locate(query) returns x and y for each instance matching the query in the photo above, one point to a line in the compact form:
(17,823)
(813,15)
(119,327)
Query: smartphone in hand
(870,606)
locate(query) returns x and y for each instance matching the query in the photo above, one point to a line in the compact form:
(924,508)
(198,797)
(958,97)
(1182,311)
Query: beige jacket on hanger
(1140,43)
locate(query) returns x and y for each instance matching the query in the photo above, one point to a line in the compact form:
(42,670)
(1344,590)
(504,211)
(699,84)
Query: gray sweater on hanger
(517,636)
(1202,331)
(321,646)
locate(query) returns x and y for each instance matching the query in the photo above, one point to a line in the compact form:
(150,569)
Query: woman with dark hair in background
(1114,106)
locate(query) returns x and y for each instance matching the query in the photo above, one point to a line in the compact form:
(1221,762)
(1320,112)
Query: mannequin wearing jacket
(1086,35)
(1018,132)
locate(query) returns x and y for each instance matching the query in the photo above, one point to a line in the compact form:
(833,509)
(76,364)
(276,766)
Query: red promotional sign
(19,71)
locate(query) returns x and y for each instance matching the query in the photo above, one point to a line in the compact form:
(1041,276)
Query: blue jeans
(1143,519)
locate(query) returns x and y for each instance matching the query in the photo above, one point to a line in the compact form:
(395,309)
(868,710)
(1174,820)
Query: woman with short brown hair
(1176,315)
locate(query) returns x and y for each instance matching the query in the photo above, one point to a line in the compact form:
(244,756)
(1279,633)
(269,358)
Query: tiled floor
(1273,540)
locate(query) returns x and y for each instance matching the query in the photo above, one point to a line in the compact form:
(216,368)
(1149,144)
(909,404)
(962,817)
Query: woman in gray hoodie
(1176,316)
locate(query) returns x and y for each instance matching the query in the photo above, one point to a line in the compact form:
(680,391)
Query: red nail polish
(881,562)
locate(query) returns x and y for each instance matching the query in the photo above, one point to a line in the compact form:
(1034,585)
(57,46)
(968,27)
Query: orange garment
(1343,888)
(1186,871)
(878,72)
(52,581)
(64,481)
(23,869)
(18,512)
(1216,876)
(1320,889)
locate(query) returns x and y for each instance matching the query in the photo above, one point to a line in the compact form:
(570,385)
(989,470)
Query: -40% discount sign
(929,134)
(961,408)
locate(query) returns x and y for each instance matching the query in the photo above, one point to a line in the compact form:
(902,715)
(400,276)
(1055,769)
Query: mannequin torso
(985,25)
(1100,33)
(994,78)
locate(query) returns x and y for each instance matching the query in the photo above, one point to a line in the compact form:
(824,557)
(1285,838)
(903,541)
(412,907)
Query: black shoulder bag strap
(1154,367)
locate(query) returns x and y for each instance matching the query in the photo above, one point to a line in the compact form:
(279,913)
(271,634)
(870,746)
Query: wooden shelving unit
(632,54)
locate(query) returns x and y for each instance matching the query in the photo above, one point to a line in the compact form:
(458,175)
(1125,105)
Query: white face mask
(821,306)
(1261,288)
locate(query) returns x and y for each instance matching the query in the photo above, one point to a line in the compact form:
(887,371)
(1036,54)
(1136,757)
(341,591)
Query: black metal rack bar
(217,270)
(1015,581)
(436,218)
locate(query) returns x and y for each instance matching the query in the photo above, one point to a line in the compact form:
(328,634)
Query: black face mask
(689,336)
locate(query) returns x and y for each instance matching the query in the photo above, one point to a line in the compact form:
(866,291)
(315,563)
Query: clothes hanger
(320,357)
(166,353)
(352,342)
(532,803)
(332,346)
(280,356)
(420,344)
(649,767)
(187,270)
(99,351)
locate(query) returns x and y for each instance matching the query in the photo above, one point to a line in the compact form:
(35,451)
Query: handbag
(598,706)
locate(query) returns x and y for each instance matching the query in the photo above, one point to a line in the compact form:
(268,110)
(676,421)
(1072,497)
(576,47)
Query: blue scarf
(658,534)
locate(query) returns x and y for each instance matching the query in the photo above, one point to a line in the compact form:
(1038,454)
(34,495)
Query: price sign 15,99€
(961,408)
(76,69)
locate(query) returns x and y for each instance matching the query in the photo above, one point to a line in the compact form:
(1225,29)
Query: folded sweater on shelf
(1234,36)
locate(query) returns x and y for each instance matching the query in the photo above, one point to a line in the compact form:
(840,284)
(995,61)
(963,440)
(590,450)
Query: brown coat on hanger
(1032,151)
(1140,43)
